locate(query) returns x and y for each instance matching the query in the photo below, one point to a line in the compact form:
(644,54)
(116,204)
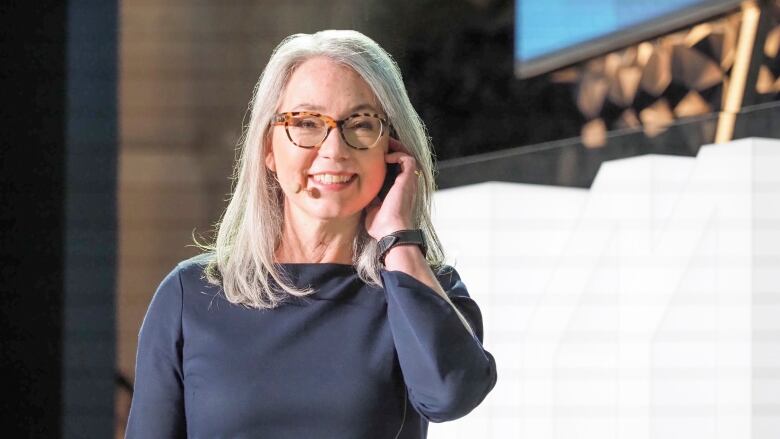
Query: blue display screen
(544,27)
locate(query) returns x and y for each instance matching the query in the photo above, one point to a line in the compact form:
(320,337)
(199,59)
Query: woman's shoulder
(190,273)
(188,281)
(195,265)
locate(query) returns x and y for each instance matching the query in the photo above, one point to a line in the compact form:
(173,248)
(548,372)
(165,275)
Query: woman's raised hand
(396,211)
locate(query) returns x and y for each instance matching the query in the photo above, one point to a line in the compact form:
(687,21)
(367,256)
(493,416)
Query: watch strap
(401,237)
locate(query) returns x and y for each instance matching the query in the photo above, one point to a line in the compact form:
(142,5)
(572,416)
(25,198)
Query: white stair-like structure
(645,307)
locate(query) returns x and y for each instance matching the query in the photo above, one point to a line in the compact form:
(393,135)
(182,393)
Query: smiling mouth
(333,179)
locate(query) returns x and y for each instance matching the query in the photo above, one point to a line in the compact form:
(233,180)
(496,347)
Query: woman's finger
(402,158)
(407,162)
(394,157)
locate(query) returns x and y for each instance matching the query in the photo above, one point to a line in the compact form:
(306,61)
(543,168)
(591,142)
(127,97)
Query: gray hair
(241,258)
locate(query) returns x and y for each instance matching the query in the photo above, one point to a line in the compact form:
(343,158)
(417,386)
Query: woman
(323,310)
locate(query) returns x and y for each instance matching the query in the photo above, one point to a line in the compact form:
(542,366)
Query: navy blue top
(351,361)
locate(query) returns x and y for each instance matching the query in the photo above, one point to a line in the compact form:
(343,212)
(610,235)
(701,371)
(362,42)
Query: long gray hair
(242,255)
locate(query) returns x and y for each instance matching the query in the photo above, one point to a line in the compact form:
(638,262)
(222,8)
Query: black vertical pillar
(57,217)
(32,181)
(88,360)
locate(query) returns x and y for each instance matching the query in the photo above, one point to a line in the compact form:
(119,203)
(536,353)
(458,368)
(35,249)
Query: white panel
(645,307)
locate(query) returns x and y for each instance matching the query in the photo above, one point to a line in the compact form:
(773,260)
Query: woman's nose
(334,146)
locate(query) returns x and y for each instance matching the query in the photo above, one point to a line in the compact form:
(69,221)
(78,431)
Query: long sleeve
(446,370)
(157,409)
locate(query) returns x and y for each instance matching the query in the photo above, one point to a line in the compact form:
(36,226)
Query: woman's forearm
(410,260)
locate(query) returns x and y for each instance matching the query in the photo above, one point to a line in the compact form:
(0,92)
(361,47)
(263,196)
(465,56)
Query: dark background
(58,218)
(458,67)
(32,53)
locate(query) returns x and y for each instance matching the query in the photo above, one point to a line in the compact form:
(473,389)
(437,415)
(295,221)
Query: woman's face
(320,85)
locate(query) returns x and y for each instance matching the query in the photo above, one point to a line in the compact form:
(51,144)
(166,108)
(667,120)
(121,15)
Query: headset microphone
(313,192)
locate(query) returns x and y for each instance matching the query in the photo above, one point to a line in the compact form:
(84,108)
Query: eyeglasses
(309,130)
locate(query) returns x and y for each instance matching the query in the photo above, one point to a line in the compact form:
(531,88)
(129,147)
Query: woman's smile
(332,181)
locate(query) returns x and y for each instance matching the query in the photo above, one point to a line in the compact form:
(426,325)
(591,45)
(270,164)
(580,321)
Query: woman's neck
(317,241)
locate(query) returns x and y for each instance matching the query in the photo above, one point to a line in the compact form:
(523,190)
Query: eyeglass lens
(359,131)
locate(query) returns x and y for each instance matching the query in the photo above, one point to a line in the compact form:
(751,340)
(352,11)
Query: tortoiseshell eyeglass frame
(283,119)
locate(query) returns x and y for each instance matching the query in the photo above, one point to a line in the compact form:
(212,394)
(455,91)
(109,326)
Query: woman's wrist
(400,238)
(409,259)
(380,232)
(400,255)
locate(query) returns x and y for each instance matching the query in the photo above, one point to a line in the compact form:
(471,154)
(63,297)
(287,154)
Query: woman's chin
(337,214)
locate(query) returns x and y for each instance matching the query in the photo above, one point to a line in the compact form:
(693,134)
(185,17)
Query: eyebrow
(320,108)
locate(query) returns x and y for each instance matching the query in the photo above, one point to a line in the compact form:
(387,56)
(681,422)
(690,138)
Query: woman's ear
(270,163)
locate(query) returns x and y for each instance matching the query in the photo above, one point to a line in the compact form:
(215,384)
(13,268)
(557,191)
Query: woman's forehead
(320,84)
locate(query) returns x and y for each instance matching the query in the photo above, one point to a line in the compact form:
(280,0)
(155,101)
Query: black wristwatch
(401,237)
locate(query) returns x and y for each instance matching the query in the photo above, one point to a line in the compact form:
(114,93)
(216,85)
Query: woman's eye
(364,124)
(305,123)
